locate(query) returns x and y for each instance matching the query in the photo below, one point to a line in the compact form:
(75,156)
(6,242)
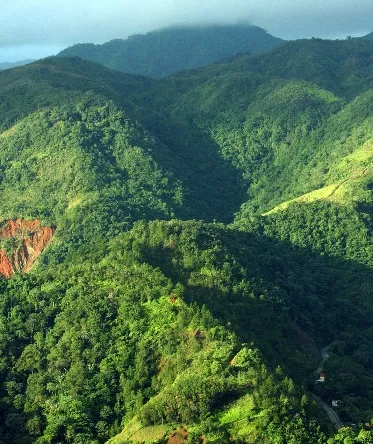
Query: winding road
(332,414)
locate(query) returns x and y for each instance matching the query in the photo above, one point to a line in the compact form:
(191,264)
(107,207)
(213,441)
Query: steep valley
(175,253)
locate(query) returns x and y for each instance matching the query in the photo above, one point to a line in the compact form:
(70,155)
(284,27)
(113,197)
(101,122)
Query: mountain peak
(166,51)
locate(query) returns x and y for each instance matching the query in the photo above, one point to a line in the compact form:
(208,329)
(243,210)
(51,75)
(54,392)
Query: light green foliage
(102,342)
(135,324)
(81,165)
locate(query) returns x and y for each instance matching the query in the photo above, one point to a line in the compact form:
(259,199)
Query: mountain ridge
(10,65)
(139,323)
(369,36)
(166,51)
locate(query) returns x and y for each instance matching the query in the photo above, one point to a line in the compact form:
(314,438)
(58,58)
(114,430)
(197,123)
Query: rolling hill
(176,252)
(275,120)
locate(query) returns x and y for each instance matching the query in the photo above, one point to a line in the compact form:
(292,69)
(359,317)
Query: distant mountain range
(164,52)
(8,65)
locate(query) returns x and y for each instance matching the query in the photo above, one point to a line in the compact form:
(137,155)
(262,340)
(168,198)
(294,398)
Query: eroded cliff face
(30,239)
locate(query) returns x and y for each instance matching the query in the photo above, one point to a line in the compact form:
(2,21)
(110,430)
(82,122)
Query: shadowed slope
(164,52)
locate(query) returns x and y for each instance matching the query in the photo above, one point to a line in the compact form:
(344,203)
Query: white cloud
(64,22)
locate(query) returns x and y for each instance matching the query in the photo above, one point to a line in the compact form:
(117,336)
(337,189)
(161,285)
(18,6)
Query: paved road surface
(324,356)
(333,415)
(330,412)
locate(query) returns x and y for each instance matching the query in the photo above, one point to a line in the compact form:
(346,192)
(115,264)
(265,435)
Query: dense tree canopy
(212,234)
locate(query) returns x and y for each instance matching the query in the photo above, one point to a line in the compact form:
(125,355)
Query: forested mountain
(164,52)
(369,36)
(9,65)
(177,252)
(276,116)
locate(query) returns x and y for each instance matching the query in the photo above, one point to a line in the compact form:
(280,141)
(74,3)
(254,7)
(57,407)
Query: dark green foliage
(325,227)
(164,52)
(211,187)
(128,324)
(88,344)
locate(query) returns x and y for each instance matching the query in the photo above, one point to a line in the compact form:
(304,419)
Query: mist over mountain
(164,52)
(7,65)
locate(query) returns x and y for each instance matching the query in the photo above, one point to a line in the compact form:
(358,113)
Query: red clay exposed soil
(6,268)
(178,437)
(173,299)
(33,239)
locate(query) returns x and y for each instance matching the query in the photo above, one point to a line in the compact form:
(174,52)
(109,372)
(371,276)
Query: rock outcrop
(31,239)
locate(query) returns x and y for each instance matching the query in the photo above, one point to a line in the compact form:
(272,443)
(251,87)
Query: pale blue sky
(37,28)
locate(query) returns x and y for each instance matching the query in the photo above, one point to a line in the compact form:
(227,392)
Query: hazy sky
(37,28)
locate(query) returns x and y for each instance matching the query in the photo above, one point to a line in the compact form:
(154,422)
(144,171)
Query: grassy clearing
(135,432)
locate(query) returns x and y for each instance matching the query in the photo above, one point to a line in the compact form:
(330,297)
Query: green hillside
(173,313)
(212,250)
(166,51)
(276,116)
(89,112)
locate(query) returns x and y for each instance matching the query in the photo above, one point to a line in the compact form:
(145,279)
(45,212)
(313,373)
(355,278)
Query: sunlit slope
(353,178)
(323,193)
(88,109)
(273,117)
(141,328)
(284,118)
(300,288)
(75,158)
(53,81)
(174,324)
(337,154)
